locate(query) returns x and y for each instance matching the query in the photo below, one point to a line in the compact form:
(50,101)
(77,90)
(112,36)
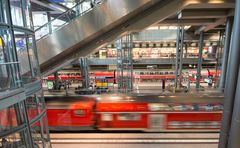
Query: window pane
(26,11)
(8,119)
(32,56)
(31,104)
(9,73)
(15,140)
(3,15)
(16,12)
(22,53)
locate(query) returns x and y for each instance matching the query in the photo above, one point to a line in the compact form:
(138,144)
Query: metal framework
(84,71)
(19,89)
(125,64)
(199,67)
(228,33)
(179,57)
(230,129)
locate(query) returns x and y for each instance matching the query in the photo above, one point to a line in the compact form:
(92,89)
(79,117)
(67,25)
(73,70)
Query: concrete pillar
(228,33)
(199,67)
(231,83)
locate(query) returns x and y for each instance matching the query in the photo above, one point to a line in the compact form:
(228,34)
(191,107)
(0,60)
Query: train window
(159,107)
(80,113)
(129,117)
(107,117)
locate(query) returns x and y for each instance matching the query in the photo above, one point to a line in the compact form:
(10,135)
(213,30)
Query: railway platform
(135,140)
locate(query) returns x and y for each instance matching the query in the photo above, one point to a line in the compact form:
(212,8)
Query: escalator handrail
(69,10)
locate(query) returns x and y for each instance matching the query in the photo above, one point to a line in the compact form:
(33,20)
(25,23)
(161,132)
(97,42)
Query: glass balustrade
(78,10)
(10,76)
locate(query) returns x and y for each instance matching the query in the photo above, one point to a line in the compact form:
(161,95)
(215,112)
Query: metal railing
(66,16)
(10,76)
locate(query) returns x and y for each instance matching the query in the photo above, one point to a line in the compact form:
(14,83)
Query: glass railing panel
(78,10)
(10,76)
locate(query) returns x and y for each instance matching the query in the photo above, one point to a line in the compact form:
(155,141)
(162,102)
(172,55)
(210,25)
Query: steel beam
(226,52)
(215,24)
(225,4)
(203,14)
(199,67)
(187,22)
(231,83)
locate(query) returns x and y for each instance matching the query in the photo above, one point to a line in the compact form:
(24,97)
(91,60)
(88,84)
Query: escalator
(96,26)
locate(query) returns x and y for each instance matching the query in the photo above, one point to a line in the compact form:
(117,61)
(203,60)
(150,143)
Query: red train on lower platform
(143,113)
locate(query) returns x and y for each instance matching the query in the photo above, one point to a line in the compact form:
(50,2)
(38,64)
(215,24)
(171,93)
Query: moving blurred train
(165,113)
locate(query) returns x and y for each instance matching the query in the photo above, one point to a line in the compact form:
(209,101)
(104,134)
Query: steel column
(124,64)
(56,81)
(231,81)
(233,140)
(130,47)
(186,50)
(84,72)
(199,60)
(177,53)
(181,57)
(49,21)
(226,52)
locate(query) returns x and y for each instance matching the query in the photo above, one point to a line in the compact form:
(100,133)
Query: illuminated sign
(50,85)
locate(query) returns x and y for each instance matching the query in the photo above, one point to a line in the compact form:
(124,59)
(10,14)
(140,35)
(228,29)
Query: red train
(143,113)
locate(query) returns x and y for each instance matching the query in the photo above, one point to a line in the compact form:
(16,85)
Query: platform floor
(135,140)
(143,88)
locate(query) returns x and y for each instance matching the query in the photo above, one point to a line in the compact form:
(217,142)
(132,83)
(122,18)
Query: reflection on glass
(32,56)
(8,119)
(32,109)
(15,140)
(22,52)
(9,74)
(38,135)
(16,12)
(3,17)
(26,9)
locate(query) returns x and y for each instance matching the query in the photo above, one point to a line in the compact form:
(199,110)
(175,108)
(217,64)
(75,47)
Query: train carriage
(70,113)
(146,113)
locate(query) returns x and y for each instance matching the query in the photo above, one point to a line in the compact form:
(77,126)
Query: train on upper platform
(151,113)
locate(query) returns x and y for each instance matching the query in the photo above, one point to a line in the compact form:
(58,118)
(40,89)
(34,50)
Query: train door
(156,122)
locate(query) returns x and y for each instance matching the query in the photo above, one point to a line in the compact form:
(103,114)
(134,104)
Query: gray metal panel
(84,29)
